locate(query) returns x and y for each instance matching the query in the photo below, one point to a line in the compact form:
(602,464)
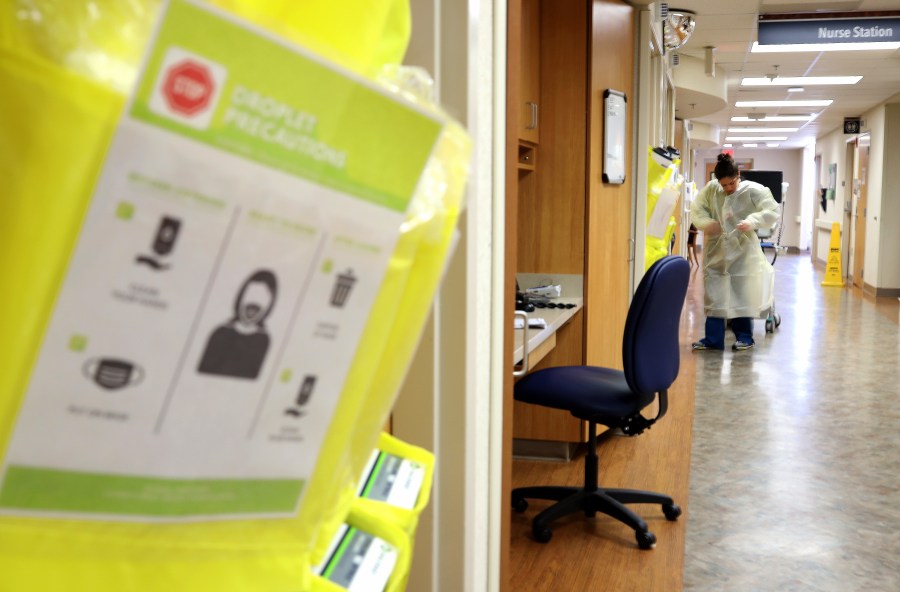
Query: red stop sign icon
(188,87)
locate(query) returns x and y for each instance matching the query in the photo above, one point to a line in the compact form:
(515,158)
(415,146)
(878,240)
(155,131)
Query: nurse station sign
(778,31)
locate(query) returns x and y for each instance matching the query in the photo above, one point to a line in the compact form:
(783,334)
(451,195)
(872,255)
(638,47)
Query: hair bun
(724,157)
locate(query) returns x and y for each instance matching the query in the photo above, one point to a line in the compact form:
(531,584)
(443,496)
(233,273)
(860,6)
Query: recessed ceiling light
(772,144)
(750,145)
(820,103)
(796,89)
(753,139)
(727,145)
(763,129)
(799,80)
(792,48)
(775,118)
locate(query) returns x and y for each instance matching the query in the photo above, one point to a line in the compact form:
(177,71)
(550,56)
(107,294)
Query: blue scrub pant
(715,331)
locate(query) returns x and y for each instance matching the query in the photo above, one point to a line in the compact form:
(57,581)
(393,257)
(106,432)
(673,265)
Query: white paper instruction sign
(235,242)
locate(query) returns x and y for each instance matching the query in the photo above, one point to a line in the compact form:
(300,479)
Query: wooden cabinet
(530,73)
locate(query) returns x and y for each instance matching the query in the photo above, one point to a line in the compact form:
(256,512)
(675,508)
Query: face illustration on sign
(238,347)
(254,305)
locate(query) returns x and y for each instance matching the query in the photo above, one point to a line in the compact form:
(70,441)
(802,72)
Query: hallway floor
(796,446)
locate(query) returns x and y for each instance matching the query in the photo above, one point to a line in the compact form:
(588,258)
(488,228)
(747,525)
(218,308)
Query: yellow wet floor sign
(833,274)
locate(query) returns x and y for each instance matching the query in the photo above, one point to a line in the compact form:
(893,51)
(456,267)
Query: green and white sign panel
(236,239)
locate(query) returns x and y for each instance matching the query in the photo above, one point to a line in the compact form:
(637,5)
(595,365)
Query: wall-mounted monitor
(771,179)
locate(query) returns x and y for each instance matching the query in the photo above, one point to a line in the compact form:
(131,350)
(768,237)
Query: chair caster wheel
(542,534)
(519,504)
(770,326)
(672,511)
(645,540)
(777,320)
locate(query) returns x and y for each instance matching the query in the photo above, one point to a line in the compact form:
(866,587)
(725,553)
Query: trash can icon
(342,287)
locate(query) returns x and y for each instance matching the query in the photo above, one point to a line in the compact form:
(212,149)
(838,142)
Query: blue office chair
(615,398)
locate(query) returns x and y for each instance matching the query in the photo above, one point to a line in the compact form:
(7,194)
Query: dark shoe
(741,346)
(700,346)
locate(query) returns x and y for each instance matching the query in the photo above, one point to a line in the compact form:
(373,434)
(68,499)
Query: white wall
(789,161)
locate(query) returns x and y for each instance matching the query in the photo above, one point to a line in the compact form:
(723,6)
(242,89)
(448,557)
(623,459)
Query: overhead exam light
(678,27)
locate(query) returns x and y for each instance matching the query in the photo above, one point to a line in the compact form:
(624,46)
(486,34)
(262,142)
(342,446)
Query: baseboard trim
(881,292)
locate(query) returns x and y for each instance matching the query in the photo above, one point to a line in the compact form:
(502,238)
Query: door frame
(451,401)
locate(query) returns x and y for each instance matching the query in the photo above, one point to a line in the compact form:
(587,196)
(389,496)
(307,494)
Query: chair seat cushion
(589,392)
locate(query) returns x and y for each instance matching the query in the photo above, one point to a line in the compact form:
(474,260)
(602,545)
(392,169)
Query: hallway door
(859,212)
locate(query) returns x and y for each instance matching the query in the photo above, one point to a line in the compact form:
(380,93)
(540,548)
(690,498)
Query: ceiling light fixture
(796,89)
(763,129)
(678,27)
(750,145)
(727,145)
(773,118)
(799,80)
(820,103)
(793,48)
(752,139)
(773,144)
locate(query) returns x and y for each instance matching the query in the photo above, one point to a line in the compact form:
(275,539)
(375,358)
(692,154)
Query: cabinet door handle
(534,115)
(631,249)
(524,369)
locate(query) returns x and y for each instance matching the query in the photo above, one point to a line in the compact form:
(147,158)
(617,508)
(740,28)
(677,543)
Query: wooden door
(859,229)
(609,206)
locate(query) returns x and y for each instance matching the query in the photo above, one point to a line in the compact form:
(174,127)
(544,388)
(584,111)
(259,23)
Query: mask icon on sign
(112,373)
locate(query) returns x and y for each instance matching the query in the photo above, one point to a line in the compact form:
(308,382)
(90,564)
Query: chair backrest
(650,349)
